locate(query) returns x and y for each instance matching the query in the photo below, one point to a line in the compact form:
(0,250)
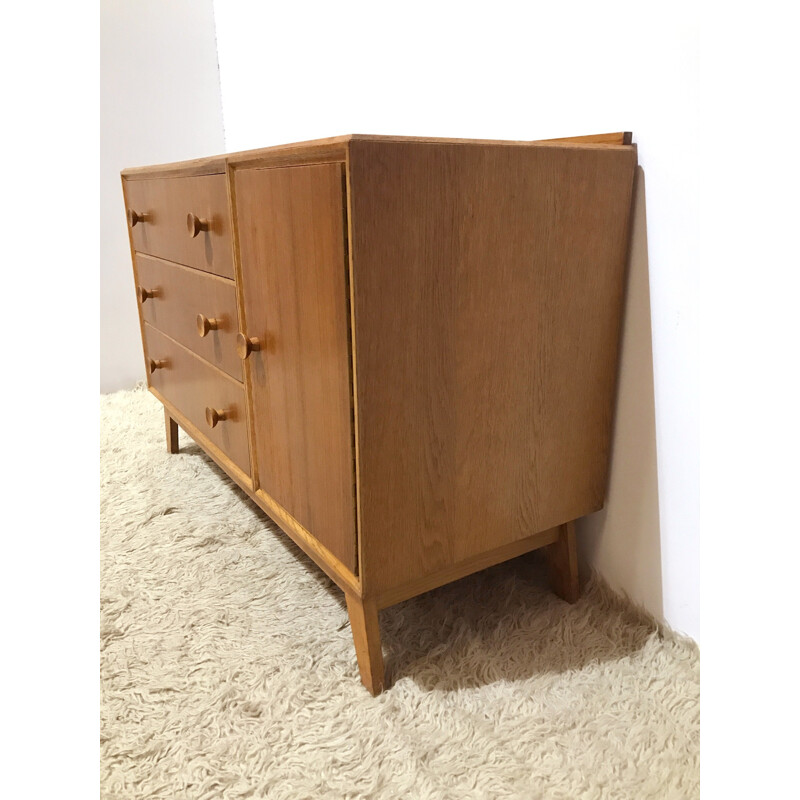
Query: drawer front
(185,303)
(182,219)
(198,390)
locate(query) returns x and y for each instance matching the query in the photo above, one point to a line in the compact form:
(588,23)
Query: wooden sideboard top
(335,149)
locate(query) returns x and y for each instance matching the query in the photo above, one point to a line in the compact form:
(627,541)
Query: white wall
(623,541)
(160,101)
(523,71)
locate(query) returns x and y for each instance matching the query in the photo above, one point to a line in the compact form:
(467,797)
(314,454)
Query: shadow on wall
(623,541)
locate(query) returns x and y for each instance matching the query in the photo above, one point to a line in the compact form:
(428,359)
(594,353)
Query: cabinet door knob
(194,224)
(245,345)
(216,415)
(204,325)
(143,293)
(135,217)
(157,363)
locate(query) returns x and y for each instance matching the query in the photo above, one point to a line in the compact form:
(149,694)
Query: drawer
(182,219)
(210,399)
(195,308)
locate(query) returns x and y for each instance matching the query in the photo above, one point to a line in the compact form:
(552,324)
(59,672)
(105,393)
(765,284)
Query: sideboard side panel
(487,291)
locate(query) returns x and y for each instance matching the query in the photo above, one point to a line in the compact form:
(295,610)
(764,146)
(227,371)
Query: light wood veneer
(405,351)
(198,388)
(294,289)
(183,297)
(167,205)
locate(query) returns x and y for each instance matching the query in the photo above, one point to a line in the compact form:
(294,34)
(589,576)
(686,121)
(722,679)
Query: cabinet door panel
(291,231)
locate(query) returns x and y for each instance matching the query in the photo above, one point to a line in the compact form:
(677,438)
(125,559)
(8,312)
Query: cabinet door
(291,227)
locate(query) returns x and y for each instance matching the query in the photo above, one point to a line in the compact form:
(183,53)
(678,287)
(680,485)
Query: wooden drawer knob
(245,345)
(143,293)
(204,325)
(194,224)
(135,217)
(157,363)
(216,415)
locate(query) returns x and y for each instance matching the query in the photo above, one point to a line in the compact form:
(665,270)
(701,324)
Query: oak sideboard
(404,350)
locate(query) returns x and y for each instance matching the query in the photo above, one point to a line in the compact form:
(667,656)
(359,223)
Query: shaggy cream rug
(228,669)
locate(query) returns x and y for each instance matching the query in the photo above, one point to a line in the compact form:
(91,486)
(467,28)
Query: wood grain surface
(620,138)
(332,148)
(167,202)
(171,428)
(366,632)
(562,562)
(323,557)
(291,237)
(183,293)
(192,385)
(453,572)
(487,285)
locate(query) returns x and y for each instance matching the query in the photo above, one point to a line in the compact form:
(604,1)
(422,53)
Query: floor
(228,669)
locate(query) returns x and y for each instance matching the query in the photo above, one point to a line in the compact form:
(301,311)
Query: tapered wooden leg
(562,559)
(172,433)
(367,639)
